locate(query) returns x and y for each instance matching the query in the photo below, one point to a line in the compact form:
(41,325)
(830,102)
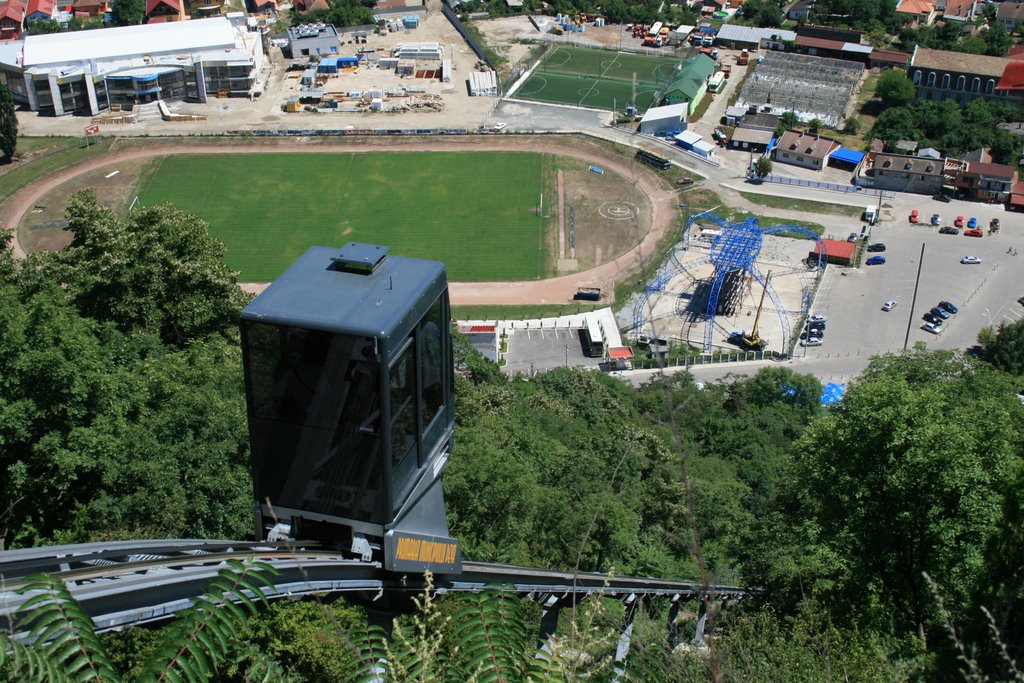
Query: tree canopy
(8,124)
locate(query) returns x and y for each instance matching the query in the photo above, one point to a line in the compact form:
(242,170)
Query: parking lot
(543,349)
(987,292)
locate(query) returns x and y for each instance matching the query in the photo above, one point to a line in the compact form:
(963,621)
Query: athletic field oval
(476,211)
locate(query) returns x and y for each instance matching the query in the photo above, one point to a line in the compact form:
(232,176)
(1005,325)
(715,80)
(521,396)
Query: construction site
(727,285)
(810,87)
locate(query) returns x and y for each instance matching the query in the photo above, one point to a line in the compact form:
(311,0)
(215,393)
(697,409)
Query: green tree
(1005,350)
(895,88)
(997,39)
(763,167)
(789,120)
(851,126)
(128,12)
(1006,148)
(8,124)
(815,126)
(907,477)
(157,271)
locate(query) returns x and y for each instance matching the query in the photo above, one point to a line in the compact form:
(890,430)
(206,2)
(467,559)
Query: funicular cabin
(348,369)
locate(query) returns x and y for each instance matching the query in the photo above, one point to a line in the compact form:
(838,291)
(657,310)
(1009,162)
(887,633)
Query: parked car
(684,181)
(993,224)
(973,233)
(811,341)
(936,219)
(959,222)
(946,306)
(852,237)
(948,230)
(809,334)
(915,216)
(875,261)
(932,327)
(816,327)
(932,318)
(942,197)
(1021,301)
(877,246)
(889,305)
(970,260)
(816,318)
(972,223)
(942,313)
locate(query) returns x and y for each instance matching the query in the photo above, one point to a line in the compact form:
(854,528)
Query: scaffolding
(810,87)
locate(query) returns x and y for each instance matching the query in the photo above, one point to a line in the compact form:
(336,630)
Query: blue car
(940,312)
(972,224)
(875,261)
(948,307)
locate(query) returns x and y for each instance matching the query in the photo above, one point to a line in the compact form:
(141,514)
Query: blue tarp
(833,393)
(848,156)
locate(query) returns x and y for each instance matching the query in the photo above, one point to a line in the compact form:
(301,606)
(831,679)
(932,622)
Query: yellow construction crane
(754,342)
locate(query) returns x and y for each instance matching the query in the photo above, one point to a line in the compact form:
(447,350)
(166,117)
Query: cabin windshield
(315,420)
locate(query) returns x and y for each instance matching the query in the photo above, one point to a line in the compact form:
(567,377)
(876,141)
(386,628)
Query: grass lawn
(474,211)
(62,152)
(777,202)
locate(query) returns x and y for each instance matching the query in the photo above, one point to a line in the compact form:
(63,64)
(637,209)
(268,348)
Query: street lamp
(566,355)
(989,316)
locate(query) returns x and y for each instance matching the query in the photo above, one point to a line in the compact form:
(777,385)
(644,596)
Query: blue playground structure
(734,255)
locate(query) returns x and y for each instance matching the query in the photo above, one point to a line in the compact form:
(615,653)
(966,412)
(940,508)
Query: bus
(716,82)
(593,339)
(655,29)
(653,160)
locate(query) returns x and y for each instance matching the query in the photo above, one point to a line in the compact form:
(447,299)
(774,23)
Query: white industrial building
(418,51)
(671,117)
(85,72)
(483,84)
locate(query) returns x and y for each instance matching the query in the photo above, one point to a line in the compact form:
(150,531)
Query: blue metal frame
(737,248)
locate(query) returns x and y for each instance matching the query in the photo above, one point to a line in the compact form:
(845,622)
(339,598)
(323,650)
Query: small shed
(406,67)
(410,21)
(839,253)
(483,84)
(687,139)
(328,65)
(308,78)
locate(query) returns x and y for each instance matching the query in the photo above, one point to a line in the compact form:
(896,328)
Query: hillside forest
(882,537)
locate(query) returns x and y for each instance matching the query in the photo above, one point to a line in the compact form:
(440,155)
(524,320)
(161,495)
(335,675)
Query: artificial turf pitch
(601,79)
(475,211)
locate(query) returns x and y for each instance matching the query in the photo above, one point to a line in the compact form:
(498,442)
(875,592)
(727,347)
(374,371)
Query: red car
(959,222)
(915,216)
(973,233)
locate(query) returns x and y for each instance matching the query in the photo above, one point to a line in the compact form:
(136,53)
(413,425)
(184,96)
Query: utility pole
(917,281)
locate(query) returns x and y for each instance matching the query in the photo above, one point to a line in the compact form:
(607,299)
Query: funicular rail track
(135,582)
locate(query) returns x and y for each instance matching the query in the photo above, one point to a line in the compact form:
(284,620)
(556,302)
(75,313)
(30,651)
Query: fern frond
(547,665)
(368,645)
(491,637)
(195,645)
(58,639)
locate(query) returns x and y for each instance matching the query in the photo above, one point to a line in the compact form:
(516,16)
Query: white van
(870,215)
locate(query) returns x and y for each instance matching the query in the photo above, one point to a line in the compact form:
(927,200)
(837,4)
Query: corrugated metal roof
(668,111)
(749,34)
(849,156)
(688,137)
(126,41)
(857,47)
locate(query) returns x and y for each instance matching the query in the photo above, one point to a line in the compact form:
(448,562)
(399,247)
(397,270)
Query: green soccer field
(601,79)
(474,211)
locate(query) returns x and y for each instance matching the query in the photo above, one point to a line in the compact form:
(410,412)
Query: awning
(1017,199)
(848,156)
(621,352)
(833,393)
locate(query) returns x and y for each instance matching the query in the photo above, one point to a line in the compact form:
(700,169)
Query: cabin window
(403,406)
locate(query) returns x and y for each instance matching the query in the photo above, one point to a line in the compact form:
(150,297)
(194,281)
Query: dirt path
(553,290)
